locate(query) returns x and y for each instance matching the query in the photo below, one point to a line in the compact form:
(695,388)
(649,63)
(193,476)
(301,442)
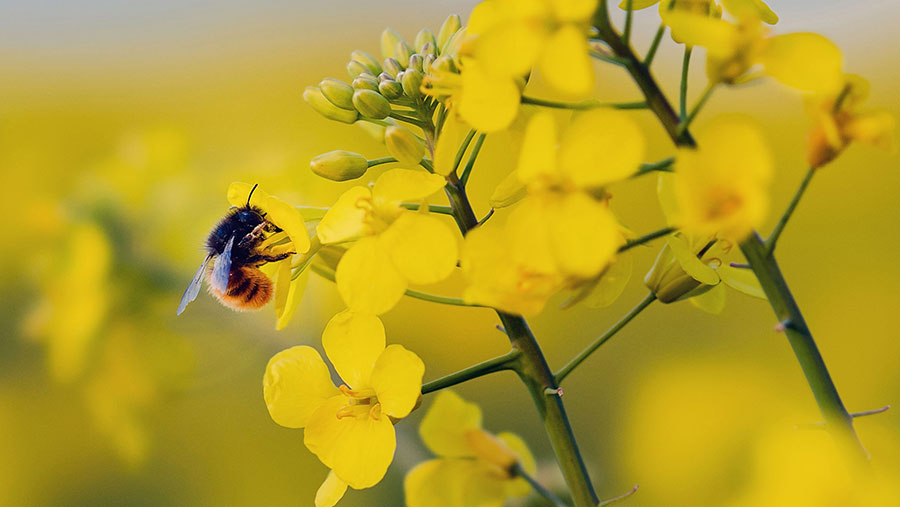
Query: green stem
(462,149)
(383,160)
(629,14)
(537,487)
(583,105)
(424,296)
(686,123)
(464,177)
(665,231)
(408,119)
(664,165)
(685,71)
(606,58)
(651,53)
(799,336)
(443,210)
(619,498)
(499,363)
(427,165)
(779,227)
(584,354)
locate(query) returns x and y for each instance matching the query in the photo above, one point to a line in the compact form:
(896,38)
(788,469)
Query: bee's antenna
(251,193)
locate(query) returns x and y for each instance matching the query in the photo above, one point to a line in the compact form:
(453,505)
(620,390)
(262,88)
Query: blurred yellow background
(121,126)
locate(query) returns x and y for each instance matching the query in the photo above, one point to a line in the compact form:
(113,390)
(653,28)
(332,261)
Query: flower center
(361,403)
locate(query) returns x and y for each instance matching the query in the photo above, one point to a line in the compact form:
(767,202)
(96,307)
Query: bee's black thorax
(238,223)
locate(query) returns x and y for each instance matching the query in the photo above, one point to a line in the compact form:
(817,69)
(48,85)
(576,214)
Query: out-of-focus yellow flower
(560,235)
(473,466)
(839,121)
(720,187)
(349,428)
(393,246)
(707,8)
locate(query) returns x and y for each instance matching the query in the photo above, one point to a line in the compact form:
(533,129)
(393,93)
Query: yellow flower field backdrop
(122,127)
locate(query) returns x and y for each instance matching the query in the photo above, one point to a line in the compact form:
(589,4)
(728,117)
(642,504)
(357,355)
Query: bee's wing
(218,279)
(193,289)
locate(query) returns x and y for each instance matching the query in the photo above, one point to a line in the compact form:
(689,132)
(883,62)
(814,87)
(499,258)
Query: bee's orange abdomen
(248,289)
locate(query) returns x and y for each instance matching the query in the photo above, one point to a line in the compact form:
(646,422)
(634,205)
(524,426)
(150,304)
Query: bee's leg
(260,259)
(253,236)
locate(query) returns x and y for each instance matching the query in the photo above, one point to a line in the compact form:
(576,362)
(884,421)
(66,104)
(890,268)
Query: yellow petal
(575,10)
(584,236)
(451,137)
(422,248)
(510,48)
(537,159)
(446,422)
(528,233)
(345,220)
(600,147)
(331,491)
(718,36)
(805,61)
(295,385)
(288,293)
(565,63)
(353,341)
(397,380)
(454,483)
(711,301)
(750,10)
(508,192)
(689,261)
(289,219)
(665,191)
(488,103)
(742,280)
(358,448)
(399,185)
(519,487)
(367,279)
(238,192)
(875,128)
(637,4)
(611,284)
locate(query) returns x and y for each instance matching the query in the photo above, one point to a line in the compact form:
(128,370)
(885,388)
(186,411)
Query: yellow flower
(349,428)
(473,466)
(393,246)
(720,187)
(839,122)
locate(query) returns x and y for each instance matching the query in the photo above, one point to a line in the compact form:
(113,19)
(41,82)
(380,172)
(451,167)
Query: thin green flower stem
(605,337)
(462,149)
(408,119)
(486,217)
(629,14)
(606,58)
(499,363)
(782,222)
(537,487)
(379,161)
(686,123)
(665,231)
(535,373)
(427,165)
(619,498)
(442,210)
(685,73)
(464,177)
(871,412)
(664,165)
(764,265)
(651,53)
(583,105)
(424,296)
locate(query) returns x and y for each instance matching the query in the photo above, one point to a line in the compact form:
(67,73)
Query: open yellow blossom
(393,246)
(720,187)
(839,121)
(473,466)
(349,428)
(710,8)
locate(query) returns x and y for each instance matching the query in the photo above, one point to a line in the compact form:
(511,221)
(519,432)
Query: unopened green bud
(427,62)
(669,278)
(371,104)
(339,165)
(392,67)
(338,93)
(424,37)
(390,89)
(451,47)
(389,40)
(442,63)
(415,62)
(384,76)
(403,145)
(402,52)
(375,130)
(451,25)
(355,68)
(365,82)
(314,97)
(368,60)
(412,83)
(427,49)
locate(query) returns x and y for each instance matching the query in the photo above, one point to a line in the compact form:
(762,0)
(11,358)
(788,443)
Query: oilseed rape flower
(393,246)
(350,428)
(473,467)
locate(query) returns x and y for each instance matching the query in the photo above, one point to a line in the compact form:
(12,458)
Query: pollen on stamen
(375,412)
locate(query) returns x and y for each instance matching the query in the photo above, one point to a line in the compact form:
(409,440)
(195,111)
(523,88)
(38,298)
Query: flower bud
(355,68)
(819,149)
(392,67)
(427,49)
(415,62)
(371,104)
(375,130)
(669,278)
(412,83)
(403,145)
(390,89)
(365,82)
(339,165)
(384,76)
(424,37)
(389,40)
(491,449)
(338,93)
(402,52)
(453,44)
(443,64)
(427,62)
(314,97)
(368,60)
(451,25)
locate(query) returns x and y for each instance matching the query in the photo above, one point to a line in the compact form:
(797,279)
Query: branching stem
(499,363)
(779,227)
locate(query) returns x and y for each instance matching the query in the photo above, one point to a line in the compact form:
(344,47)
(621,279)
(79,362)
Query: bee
(235,249)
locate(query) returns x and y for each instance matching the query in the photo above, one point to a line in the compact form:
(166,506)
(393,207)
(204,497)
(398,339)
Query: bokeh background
(122,124)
